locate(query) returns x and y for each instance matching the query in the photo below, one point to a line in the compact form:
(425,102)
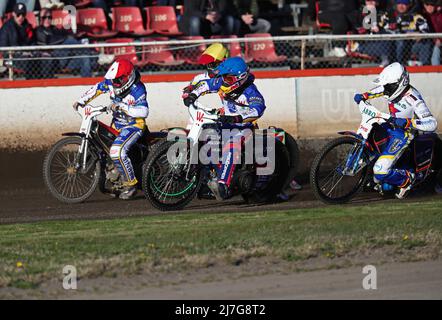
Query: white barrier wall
(34,118)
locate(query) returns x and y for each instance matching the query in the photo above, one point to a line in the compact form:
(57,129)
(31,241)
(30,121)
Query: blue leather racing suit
(129,120)
(248,103)
(411,106)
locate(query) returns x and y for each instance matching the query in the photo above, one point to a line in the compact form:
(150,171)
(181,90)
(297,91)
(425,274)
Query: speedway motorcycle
(170,183)
(345,165)
(79,163)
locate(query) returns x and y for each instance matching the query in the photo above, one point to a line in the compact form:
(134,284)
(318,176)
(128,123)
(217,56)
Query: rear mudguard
(351,133)
(74,134)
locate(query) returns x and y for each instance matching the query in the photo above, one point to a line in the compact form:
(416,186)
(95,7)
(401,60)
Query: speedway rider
(408,110)
(242,105)
(130,108)
(211,58)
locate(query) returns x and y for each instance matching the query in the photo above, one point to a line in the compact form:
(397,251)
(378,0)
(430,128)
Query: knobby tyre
(64,181)
(326,179)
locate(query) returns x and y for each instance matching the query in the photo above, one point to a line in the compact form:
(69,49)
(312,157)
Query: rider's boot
(384,188)
(219,190)
(294,185)
(129,190)
(404,189)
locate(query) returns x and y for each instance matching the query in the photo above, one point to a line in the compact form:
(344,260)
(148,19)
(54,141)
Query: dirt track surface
(24,198)
(27,200)
(35,204)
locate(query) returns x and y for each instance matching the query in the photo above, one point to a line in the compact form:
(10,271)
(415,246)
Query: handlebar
(390,121)
(197,105)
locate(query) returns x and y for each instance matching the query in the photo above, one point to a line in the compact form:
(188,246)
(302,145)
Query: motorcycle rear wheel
(277,179)
(63,180)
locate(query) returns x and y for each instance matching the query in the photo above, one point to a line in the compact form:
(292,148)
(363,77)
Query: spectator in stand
(248,17)
(47,34)
(342,15)
(402,20)
(369,25)
(207,17)
(30,4)
(18,32)
(433,13)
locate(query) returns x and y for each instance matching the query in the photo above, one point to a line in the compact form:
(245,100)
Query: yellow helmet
(216,52)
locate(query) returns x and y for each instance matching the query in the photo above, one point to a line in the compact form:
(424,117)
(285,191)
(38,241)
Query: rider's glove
(76,105)
(359,97)
(190,99)
(230,119)
(186,91)
(113,107)
(403,123)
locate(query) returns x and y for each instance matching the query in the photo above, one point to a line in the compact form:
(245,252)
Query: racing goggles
(229,79)
(120,81)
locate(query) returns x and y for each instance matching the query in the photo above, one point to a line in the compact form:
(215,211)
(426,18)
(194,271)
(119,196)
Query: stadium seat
(125,51)
(58,17)
(233,47)
(319,24)
(128,20)
(192,53)
(93,22)
(32,19)
(262,51)
(162,20)
(159,54)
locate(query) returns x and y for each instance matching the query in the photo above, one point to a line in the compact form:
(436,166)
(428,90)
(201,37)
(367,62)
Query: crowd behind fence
(261,51)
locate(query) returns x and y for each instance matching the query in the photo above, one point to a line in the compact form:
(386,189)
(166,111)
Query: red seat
(233,47)
(159,54)
(59,18)
(320,24)
(125,51)
(128,20)
(262,51)
(192,52)
(93,22)
(162,20)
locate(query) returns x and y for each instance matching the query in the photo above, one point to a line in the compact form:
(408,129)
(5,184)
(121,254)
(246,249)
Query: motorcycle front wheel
(170,182)
(327,180)
(63,179)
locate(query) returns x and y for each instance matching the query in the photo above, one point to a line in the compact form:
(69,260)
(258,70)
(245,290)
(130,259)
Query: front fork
(81,159)
(354,162)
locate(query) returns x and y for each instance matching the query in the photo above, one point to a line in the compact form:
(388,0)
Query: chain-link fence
(160,55)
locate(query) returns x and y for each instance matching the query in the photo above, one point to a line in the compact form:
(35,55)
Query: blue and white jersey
(412,106)
(133,108)
(249,103)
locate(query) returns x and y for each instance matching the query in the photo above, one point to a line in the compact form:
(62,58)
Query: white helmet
(395,80)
